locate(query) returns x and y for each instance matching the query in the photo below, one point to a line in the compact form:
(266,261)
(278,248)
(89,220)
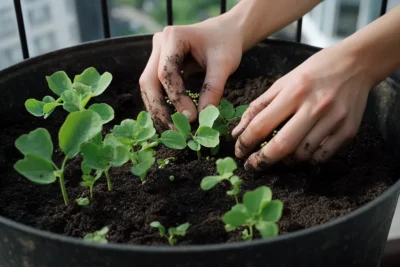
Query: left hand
(326,97)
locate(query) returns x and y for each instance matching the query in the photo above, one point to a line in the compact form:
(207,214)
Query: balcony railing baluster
(21,28)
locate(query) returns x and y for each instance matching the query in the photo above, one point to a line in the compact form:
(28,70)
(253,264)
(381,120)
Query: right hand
(214,44)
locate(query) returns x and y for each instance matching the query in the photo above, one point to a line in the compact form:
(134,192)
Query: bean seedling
(227,114)
(82,201)
(257,210)
(172,232)
(162,163)
(97,236)
(225,168)
(204,135)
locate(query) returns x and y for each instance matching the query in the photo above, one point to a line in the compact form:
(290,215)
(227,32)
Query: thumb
(213,86)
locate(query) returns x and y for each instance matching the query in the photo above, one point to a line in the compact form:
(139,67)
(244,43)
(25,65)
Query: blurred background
(55,24)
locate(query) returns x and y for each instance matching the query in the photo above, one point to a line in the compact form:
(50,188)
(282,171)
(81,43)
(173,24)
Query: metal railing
(106,21)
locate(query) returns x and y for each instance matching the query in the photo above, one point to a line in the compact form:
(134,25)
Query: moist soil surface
(312,195)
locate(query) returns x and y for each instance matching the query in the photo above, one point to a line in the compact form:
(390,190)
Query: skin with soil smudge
(311,195)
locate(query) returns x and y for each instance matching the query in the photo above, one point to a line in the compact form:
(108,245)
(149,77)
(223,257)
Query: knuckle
(323,104)
(303,86)
(341,113)
(157,37)
(168,30)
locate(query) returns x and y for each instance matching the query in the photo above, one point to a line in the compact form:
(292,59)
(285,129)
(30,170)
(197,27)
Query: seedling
(204,135)
(225,168)
(162,163)
(258,210)
(227,114)
(82,201)
(73,96)
(97,236)
(172,232)
(37,147)
(172,178)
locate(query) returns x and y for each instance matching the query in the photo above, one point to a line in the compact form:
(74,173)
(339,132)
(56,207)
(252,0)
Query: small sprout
(172,178)
(204,135)
(227,114)
(225,168)
(98,236)
(82,201)
(172,232)
(164,162)
(258,210)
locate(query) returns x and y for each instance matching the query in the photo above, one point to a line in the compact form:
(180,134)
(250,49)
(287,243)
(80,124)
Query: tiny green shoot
(162,163)
(97,236)
(225,168)
(227,114)
(257,210)
(172,232)
(172,178)
(82,201)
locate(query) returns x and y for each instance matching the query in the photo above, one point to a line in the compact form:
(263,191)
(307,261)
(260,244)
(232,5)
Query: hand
(324,99)
(215,45)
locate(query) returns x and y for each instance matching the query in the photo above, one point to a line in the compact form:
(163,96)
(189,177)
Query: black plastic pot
(357,239)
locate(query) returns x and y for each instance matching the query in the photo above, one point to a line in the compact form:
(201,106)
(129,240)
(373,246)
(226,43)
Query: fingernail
(187,113)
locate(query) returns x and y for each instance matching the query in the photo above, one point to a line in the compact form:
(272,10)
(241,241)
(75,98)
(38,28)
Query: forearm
(377,46)
(258,19)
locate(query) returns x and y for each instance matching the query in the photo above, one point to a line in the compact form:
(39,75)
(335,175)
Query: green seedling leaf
(72,101)
(159,226)
(37,142)
(193,145)
(93,157)
(126,131)
(82,201)
(92,78)
(144,119)
(121,156)
(209,182)
(220,126)
(237,216)
(111,140)
(256,200)
(240,110)
(233,192)
(208,115)
(78,128)
(59,82)
(226,165)
(173,139)
(207,137)
(182,124)
(235,180)
(105,111)
(145,134)
(226,109)
(49,107)
(272,211)
(34,107)
(98,236)
(97,139)
(215,150)
(267,229)
(145,160)
(36,169)
(86,169)
(48,99)
(81,89)
(180,230)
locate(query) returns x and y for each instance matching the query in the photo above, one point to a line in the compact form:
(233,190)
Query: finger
(213,86)
(335,142)
(256,107)
(285,142)
(171,58)
(263,124)
(150,86)
(323,128)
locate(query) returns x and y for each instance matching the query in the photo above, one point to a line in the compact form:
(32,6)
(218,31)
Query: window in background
(8,22)
(39,14)
(45,43)
(10,55)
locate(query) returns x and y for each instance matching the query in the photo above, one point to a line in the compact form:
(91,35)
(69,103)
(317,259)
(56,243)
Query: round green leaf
(180,230)
(256,200)
(37,142)
(144,119)
(71,100)
(34,107)
(209,182)
(267,229)
(48,99)
(207,137)
(59,82)
(272,211)
(92,156)
(82,201)
(173,140)
(81,88)
(49,107)
(220,126)
(89,77)
(193,145)
(105,111)
(121,156)
(125,132)
(182,124)
(36,169)
(208,115)
(226,109)
(240,110)
(79,127)
(103,83)
(226,165)
(159,226)
(145,134)
(237,216)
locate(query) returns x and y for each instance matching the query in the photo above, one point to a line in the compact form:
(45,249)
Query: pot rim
(175,249)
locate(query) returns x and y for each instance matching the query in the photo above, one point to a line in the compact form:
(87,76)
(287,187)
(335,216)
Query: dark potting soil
(311,195)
